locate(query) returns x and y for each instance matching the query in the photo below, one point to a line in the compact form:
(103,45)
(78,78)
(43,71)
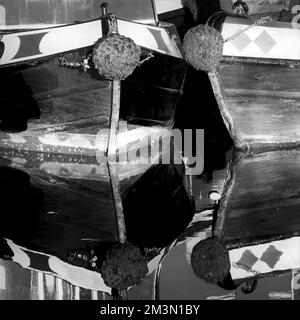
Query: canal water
(232,232)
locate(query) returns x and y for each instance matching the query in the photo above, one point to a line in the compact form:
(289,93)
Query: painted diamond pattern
(248,259)
(271,256)
(241,42)
(265,42)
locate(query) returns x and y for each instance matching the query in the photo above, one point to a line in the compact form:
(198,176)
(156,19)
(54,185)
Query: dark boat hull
(258,214)
(68,110)
(60,230)
(260,104)
(262,196)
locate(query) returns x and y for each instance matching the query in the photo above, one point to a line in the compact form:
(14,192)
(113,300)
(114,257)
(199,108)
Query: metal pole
(112,160)
(109,24)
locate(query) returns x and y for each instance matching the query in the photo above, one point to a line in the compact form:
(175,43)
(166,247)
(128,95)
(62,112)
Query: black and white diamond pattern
(264,41)
(265,258)
(271,41)
(248,259)
(241,42)
(271,256)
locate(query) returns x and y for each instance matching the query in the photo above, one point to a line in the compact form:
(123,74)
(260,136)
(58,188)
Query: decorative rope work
(116,56)
(124,266)
(210,257)
(210,260)
(203,47)
(258,22)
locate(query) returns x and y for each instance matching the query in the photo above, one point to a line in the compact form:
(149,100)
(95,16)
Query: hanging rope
(258,22)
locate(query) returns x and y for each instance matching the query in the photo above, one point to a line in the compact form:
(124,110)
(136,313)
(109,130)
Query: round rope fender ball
(124,266)
(203,47)
(210,260)
(116,56)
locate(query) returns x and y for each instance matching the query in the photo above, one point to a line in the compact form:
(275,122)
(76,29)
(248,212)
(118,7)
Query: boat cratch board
(24,46)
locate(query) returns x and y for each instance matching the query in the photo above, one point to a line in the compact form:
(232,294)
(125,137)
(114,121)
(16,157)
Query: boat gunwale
(263,61)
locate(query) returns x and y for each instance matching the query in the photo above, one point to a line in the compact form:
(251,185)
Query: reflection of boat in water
(270,258)
(260,219)
(266,269)
(258,214)
(256,84)
(75,106)
(256,262)
(72,166)
(262,196)
(45,277)
(65,220)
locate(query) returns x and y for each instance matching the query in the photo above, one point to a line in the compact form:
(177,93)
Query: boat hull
(61,231)
(262,197)
(68,111)
(262,104)
(256,85)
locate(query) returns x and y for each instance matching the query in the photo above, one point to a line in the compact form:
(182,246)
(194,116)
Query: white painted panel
(2,278)
(274,41)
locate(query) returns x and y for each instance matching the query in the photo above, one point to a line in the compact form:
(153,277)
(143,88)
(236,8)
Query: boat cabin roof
(27,14)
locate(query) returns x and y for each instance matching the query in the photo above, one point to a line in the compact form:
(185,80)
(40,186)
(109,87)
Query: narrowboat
(256,85)
(59,108)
